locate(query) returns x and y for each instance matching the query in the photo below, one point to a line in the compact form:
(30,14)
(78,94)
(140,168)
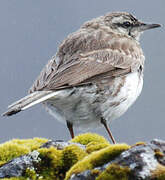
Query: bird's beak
(144,26)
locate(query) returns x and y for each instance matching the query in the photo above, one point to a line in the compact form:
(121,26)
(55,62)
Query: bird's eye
(126,24)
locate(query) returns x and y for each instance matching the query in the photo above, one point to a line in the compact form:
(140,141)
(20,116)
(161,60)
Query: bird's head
(126,24)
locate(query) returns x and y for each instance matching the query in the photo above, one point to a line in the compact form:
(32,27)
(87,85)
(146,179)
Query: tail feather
(28,101)
(23,99)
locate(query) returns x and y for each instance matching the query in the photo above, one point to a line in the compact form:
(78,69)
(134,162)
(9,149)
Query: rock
(17,166)
(59,144)
(86,157)
(140,162)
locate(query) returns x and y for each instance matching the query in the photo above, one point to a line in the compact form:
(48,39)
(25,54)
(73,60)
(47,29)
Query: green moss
(160,177)
(114,172)
(51,162)
(138,144)
(98,158)
(158,153)
(16,148)
(31,173)
(72,154)
(89,137)
(95,172)
(55,163)
(95,146)
(32,144)
(158,173)
(9,151)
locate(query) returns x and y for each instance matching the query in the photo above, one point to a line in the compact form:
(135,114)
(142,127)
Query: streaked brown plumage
(80,51)
(96,74)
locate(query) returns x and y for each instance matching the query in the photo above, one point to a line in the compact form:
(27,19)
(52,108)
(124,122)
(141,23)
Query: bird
(95,75)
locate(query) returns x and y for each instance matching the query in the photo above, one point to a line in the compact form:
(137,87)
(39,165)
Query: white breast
(126,97)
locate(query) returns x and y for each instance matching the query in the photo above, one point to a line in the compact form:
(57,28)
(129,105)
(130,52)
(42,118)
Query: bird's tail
(28,101)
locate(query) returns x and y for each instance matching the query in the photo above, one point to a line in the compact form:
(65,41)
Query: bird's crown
(122,23)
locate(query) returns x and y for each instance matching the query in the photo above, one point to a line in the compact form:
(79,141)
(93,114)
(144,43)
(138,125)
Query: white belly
(84,107)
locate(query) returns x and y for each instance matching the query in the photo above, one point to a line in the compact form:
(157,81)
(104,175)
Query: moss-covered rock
(53,162)
(87,156)
(97,159)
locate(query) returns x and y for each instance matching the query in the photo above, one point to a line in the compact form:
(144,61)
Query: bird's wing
(82,57)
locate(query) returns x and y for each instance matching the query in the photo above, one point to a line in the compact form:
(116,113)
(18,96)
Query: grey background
(30,32)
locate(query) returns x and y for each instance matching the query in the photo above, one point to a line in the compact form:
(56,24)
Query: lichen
(97,158)
(31,174)
(16,148)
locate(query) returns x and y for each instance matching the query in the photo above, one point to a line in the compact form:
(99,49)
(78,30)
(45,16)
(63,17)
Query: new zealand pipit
(95,76)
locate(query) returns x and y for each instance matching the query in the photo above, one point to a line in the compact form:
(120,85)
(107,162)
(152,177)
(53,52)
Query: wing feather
(83,56)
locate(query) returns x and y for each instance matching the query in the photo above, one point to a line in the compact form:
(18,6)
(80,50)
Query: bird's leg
(103,121)
(70,127)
